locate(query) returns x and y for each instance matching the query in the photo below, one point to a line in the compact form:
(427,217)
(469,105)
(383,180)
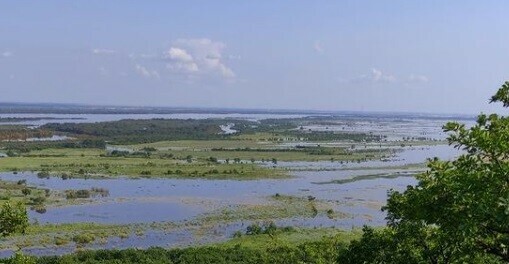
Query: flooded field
(185,203)
(341,192)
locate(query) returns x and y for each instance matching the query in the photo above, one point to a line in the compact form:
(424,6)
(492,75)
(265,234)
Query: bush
(13,218)
(74,194)
(83,238)
(20,258)
(43,174)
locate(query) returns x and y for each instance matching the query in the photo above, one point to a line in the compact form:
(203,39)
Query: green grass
(92,164)
(277,207)
(248,147)
(68,152)
(81,234)
(384,175)
(12,191)
(63,234)
(199,144)
(295,237)
(170,160)
(248,155)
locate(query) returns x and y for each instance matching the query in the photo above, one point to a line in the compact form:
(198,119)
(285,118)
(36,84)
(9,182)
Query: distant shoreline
(33,108)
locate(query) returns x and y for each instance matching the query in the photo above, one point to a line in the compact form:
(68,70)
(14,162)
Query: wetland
(109,181)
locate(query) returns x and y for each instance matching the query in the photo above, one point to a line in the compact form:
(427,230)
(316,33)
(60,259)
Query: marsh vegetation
(153,182)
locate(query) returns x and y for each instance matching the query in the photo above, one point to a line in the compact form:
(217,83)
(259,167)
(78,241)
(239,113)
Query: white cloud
(378,76)
(418,78)
(198,57)
(180,61)
(103,51)
(179,54)
(6,54)
(145,72)
(317,46)
(375,76)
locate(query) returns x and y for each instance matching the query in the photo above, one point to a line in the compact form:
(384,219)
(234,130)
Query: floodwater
(135,201)
(180,201)
(52,138)
(92,118)
(149,200)
(404,156)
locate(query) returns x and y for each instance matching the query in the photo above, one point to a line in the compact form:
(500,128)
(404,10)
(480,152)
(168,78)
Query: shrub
(13,218)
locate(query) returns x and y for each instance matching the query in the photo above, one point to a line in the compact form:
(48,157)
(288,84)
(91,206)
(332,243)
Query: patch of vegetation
(64,234)
(278,207)
(22,133)
(292,246)
(373,176)
(144,131)
(90,163)
(82,194)
(13,219)
(17,148)
(85,238)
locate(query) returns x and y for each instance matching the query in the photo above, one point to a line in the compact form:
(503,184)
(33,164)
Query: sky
(397,56)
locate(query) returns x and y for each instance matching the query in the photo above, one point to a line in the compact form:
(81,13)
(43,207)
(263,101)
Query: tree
(459,210)
(13,218)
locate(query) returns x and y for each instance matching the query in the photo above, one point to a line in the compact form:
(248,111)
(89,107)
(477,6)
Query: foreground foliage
(459,211)
(13,218)
(323,251)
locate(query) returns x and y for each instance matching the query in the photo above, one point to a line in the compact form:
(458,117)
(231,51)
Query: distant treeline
(24,147)
(265,125)
(12,133)
(144,131)
(305,149)
(31,119)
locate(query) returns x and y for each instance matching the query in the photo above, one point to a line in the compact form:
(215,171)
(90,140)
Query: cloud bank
(197,57)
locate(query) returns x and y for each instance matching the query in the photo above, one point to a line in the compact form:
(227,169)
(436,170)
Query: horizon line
(224,109)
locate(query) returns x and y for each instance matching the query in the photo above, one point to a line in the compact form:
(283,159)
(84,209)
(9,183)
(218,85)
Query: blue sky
(418,56)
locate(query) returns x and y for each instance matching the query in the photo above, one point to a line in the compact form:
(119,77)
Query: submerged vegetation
(264,149)
(258,244)
(183,148)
